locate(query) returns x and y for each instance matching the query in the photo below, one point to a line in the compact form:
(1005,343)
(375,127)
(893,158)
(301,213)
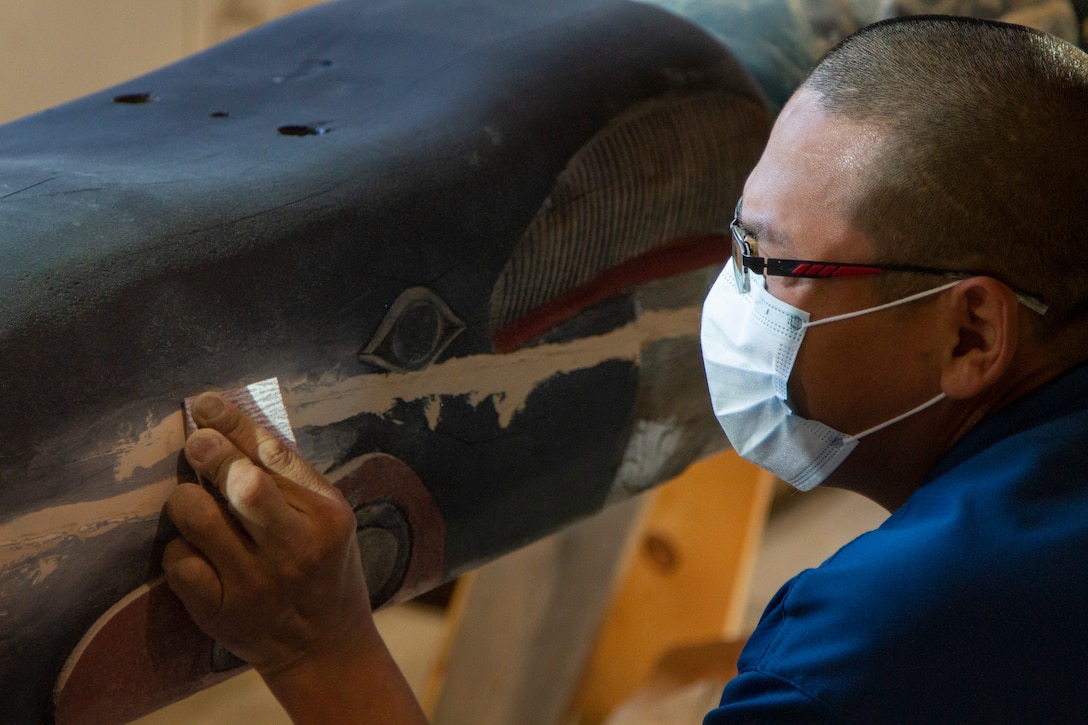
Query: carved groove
(664,170)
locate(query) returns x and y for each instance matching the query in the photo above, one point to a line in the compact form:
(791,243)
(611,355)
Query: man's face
(856,373)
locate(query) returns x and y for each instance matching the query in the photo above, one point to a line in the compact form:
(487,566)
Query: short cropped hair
(985,163)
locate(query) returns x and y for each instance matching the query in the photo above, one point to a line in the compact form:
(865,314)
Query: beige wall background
(52,51)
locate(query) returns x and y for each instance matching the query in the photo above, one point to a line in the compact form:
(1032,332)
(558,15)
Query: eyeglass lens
(740,273)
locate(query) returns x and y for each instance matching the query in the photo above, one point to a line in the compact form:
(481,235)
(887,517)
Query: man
(949,145)
(926,351)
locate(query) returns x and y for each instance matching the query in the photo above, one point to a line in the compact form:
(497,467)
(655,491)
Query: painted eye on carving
(415,331)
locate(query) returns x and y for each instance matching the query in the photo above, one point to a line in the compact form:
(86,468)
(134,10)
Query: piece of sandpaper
(262,401)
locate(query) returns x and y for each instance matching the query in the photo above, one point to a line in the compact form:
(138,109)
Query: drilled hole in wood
(134,98)
(301,130)
(661,553)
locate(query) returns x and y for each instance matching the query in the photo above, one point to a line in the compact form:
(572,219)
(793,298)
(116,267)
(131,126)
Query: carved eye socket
(415,331)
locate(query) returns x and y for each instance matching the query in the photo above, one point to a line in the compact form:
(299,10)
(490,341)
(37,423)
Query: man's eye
(783,284)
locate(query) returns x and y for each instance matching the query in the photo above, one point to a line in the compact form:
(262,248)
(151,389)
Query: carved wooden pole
(470,240)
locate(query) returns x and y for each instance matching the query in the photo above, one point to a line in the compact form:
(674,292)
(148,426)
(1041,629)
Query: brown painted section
(143,654)
(380,476)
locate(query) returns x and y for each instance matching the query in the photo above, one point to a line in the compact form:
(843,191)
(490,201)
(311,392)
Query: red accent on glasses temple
(831,270)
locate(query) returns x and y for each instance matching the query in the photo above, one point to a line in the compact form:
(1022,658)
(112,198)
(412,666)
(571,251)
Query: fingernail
(201,447)
(208,407)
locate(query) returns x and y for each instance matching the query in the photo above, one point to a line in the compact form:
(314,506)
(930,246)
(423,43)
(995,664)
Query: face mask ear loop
(933,401)
(886,305)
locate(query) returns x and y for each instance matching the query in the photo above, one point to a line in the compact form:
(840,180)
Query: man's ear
(985,317)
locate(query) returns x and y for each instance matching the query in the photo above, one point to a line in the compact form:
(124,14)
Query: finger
(194,579)
(254,498)
(203,523)
(214,411)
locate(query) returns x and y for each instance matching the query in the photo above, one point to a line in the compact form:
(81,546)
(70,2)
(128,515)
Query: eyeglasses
(746,257)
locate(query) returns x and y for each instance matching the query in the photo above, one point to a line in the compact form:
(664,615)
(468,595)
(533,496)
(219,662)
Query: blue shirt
(969,604)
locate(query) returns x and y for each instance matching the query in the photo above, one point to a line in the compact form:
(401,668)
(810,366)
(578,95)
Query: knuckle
(180,566)
(253,584)
(334,514)
(343,520)
(329,540)
(183,496)
(310,559)
(246,486)
(203,521)
(173,555)
(231,421)
(274,454)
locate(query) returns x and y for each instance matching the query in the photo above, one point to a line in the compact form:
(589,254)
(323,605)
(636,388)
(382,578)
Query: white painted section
(505,380)
(35,534)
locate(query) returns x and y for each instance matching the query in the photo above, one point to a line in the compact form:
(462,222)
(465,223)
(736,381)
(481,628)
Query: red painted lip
(677,256)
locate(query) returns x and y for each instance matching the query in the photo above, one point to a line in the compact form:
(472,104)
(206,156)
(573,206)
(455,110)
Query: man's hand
(273,572)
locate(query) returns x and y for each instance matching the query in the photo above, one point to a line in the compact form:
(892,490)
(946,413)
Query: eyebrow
(763,233)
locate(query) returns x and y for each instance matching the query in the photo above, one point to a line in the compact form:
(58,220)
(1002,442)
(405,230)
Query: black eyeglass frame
(745,257)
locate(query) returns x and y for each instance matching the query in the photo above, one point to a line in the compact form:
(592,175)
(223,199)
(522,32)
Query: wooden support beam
(651,576)
(521,627)
(687,582)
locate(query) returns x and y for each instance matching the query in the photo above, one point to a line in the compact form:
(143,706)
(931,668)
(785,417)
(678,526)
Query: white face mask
(750,342)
